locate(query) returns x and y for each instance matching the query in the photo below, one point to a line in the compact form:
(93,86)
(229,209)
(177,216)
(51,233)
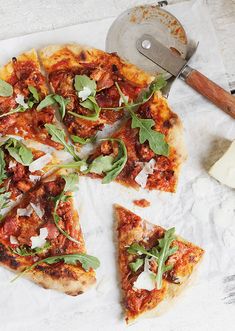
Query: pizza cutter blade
(154,40)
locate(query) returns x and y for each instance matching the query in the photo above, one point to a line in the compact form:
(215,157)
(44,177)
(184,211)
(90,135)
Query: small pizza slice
(146,151)
(22,164)
(41,238)
(154,264)
(86,78)
(22,87)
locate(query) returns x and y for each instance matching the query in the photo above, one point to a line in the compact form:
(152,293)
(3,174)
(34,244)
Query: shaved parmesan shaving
(147,170)
(126,97)
(20,100)
(25,211)
(83,167)
(40,163)
(40,240)
(145,280)
(38,210)
(14,137)
(12,164)
(13,240)
(34,179)
(84,93)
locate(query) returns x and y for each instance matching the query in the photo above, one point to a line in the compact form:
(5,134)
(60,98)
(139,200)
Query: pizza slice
(146,151)
(22,165)
(22,87)
(41,238)
(86,78)
(154,264)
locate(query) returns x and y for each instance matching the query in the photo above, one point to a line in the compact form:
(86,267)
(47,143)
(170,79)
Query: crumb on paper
(143,203)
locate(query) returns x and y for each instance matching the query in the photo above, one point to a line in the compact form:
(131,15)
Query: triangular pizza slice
(146,151)
(41,238)
(22,88)
(86,78)
(22,164)
(154,264)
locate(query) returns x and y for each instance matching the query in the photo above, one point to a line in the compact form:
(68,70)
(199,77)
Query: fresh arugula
(25,251)
(82,141)
(155,139)
(70,185)
(4,198)
(157,84)
(86,91)
(138,263)
(34,96)
(58,135)
(2,167)
(6,90)
(19,151)
(109,165)
(18,109)
(52,99)
(160,253)
(87,262)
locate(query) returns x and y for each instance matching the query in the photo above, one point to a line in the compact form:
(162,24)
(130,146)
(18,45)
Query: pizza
(22,87)
(86,77)
(146,167)
(154,264)
(41,238)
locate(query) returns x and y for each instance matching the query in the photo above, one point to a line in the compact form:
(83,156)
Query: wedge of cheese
(224,169)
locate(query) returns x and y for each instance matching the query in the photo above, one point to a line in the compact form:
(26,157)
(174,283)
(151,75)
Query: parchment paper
(202,210)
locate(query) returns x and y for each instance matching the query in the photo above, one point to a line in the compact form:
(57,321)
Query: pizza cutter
(154,40)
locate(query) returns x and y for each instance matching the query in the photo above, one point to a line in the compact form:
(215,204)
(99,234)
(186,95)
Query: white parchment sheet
(202,210)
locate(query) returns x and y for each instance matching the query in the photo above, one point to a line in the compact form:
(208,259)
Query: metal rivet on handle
(146,44)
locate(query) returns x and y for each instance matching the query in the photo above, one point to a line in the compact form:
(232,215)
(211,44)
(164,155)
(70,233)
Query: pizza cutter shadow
(217,149)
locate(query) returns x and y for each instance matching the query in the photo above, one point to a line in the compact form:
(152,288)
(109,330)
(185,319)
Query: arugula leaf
(134,266)
(82,81)
(24,251)
(34,92)
(58,135)
(160,253)
(164,253)
(111,166)
(82,141)
(101,164)
(71,181)
(70,185)
(34,96)
(157,84)
(155,139)
(48,101)
(91,104)
(70,165)
(6,90)
(19,151)
(18,109)
(4,198)
(87,261)
(2,167)
(83,84)
(62,102)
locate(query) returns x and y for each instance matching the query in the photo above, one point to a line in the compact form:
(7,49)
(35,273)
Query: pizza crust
(70,55)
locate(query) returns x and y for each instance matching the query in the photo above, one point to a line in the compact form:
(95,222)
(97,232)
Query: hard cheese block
(224,169)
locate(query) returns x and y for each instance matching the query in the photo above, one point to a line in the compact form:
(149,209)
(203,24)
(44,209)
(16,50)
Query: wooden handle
(213,92)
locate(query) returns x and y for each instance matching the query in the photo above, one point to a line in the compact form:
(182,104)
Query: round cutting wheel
(133,23)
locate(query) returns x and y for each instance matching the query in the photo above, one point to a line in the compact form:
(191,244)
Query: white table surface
(19,17)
